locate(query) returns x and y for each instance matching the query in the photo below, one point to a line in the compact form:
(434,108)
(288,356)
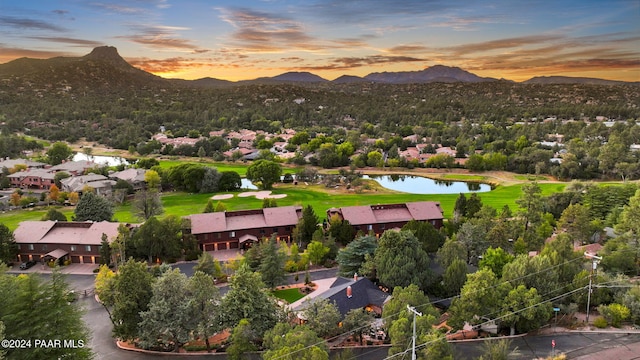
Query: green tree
(54,215)
(481,294)
(243,338)
(105,250)
(265,172)
(146,204)
(322,316)
(531,205)
(496,350)
(401,261)
(131,294)
(229,181)
(269,203)
(31,301)
(153,180)
(358,322)
(351,257)
(209,208)
(8,247)
(92,207)
(59,152)
(167,323)
(341,230)
(208,265)
(576,222)
(316,252)
(159,239)
(403,296)
(248,299)
(307,224)
(495,259)
(532,272)
(631,299)
(454,277)
(293,343)
(450,251)
(204,302)
(272,264)
(430,238)
(564,259)
(523,310)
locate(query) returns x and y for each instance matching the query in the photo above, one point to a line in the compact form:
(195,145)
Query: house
(61,240)
(378,218)
(11,163)
(135,177)
(32,179)
(349,294)
(240,229)
(100,183)
(74,168)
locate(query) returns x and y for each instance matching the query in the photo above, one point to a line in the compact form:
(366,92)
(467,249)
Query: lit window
(73,248)
(87,247)
(232,234)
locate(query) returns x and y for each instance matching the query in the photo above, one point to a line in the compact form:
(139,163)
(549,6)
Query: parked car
(27,265)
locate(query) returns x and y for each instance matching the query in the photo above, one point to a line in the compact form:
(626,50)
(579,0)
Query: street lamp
(594,265)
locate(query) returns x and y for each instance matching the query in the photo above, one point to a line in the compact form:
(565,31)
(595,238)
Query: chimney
(355,276)
(349,292)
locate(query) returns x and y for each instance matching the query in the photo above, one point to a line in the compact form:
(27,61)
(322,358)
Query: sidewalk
(322,286)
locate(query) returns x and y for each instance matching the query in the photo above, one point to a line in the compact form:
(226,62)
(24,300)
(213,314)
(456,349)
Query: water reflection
(421,185)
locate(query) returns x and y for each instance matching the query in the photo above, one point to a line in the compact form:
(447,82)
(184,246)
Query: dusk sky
(237,40)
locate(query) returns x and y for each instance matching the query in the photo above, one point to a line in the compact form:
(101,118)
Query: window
(382,226)
(219,235)
(369,227)
(232,234)
(44,247)
(73,248)
(30,246)
(87,247)
(275,229)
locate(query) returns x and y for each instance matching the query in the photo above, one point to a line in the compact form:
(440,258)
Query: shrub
(600,323)
(290,266)
(614,313)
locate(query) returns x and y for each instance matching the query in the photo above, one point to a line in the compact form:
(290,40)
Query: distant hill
(349,79)
(572,80)
(437,73)
(105,69)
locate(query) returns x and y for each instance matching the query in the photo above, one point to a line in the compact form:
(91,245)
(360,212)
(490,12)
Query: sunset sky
(237,40)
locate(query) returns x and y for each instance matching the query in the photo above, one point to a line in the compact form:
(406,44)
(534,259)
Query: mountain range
(105,67)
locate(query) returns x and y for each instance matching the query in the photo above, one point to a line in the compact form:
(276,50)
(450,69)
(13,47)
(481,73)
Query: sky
(240,40)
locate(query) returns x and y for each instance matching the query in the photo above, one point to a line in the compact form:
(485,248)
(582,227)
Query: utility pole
(413,346)
(594,264)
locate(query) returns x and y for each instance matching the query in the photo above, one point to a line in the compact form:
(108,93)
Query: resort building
(78,242)
(240,229)
(378,218)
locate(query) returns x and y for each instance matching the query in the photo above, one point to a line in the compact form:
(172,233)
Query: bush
(290,266)
(600,323)
(67,262)
(614,313)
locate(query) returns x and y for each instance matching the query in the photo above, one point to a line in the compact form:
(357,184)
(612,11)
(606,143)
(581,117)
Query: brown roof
(373,214)
(245,219)
(53,232)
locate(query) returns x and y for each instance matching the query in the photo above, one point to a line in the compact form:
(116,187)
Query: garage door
(75,259)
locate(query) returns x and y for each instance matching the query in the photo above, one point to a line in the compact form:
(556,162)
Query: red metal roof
(245,219)
(373,214)
(52,232)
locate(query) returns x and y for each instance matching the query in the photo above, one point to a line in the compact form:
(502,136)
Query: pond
(100,159)
(246,184)
(422,185)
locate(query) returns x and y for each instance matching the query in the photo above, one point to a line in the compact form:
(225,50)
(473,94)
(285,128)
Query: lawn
(182,204)
(288,295)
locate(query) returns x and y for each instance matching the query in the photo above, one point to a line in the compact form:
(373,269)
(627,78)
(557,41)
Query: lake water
(246,184)
(99,159)
(422,185)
